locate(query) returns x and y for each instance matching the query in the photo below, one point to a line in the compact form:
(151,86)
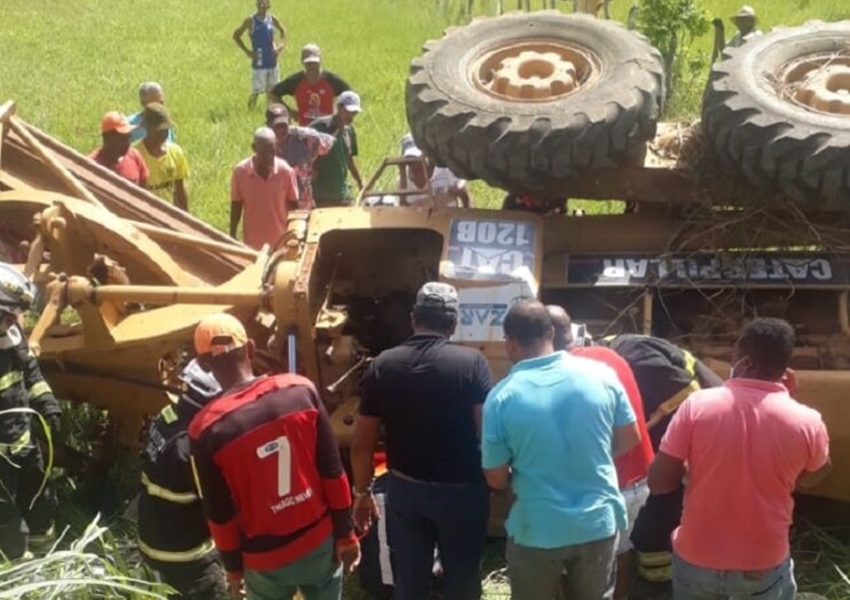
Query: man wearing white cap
(448,190)
(314,89)
(330,185)
(745,20)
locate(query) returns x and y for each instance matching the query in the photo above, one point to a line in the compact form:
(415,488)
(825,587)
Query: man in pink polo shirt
(264,187)
(747,445)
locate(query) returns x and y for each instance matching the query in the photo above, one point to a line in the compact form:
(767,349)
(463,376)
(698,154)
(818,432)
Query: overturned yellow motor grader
(703,252)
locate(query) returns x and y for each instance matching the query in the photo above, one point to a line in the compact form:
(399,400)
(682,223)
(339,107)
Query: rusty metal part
(818,82)
(332,388)
(534,71)
(53,163)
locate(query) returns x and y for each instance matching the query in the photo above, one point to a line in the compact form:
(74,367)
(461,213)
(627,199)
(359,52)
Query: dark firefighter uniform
(173,534)
(666,375)
(27,497)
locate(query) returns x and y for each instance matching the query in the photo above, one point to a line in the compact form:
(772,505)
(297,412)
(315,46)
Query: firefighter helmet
(16,292)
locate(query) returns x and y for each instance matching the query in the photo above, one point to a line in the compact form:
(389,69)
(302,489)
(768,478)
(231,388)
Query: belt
(18,446)
(400,475)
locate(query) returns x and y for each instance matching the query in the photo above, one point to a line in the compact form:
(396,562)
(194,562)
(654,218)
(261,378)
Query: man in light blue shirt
(150,92)
(551,430)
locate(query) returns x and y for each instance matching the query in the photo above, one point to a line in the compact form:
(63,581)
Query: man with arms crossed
(747,445)
(551,429)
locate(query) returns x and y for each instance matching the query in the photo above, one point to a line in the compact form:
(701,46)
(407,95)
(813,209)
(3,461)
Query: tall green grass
(66,63)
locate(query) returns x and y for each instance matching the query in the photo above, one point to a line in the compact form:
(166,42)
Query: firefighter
(29,418)
(666,374)
(173,534)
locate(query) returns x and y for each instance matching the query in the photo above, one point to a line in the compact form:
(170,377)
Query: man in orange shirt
(747,446)
(264,187)
(633,466)
(116,154)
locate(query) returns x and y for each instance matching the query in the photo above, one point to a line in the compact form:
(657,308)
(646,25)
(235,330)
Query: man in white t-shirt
(449,191)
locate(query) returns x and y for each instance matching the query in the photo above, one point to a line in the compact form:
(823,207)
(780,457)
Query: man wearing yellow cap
(274,491)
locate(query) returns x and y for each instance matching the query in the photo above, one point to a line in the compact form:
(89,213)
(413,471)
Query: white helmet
(16,292)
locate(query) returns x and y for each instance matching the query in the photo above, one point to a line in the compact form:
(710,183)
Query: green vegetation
(100,563)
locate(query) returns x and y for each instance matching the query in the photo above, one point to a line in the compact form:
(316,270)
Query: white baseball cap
(350,101)
(409,147)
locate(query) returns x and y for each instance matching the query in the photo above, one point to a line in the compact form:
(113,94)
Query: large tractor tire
(529,100)
(777,112)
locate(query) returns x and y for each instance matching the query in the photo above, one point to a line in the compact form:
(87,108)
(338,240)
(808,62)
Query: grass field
(66,63)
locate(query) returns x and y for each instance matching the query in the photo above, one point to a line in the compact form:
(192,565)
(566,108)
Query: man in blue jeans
(747,445)
(427,393)
(551,430)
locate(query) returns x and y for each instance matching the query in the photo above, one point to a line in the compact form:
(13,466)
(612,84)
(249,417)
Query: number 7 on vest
(282,449)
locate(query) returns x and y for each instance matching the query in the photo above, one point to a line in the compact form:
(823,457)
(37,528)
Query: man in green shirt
(330,183)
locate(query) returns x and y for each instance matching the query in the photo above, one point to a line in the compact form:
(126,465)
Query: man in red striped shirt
(270,476)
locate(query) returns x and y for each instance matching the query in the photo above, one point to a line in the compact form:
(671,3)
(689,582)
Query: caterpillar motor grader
(745,215)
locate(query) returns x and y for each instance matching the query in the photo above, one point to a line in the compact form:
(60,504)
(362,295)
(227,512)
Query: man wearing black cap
(427,393)
(168,169)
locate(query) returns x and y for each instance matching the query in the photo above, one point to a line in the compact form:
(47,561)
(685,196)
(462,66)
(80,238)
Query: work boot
(42,543)
(13,540)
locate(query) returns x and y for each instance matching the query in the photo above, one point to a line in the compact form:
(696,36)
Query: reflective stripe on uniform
(169,415)
(39,389)
(672,403)
(167,556)
(18,445)
(166,494)
(655,566)
(9,379)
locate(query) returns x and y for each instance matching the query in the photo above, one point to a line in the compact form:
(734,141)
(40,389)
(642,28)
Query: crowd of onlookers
(565,433)
(307,164)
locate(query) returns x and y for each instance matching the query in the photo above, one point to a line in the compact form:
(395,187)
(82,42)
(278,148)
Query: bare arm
(498,478)
(352,166)
(665,474)
(625,438)
(463,197)
(810,479)
(477,410)
(366,431)
(237,37)
(235,217)
(181,198)
(279,26)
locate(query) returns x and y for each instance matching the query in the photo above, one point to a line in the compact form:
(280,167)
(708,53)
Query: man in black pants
(174,538)
(427,393)
(26,493)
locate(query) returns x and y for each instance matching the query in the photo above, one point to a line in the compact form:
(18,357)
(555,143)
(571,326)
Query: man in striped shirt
(274,491)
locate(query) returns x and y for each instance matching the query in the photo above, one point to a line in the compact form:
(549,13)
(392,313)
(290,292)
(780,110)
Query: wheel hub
(535,75)
(534,71)
(827,90)
(819,83)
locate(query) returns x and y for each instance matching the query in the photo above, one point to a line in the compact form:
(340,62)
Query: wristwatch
(358,494)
